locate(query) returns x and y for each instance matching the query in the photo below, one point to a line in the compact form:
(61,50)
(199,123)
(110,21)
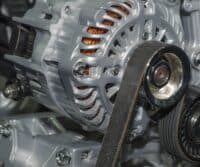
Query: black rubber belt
(126,103)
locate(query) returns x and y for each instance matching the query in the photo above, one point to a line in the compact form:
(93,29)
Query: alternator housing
(81,47)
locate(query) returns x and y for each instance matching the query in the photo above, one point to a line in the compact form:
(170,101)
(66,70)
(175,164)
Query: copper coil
(121,8)
(96,30)
(108,22)
(88,52)
(114,15)
(91,41)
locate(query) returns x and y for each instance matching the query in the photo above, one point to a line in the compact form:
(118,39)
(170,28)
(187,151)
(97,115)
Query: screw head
(161,75)
(115,70)
(67,9)
(5,130)
(63,158)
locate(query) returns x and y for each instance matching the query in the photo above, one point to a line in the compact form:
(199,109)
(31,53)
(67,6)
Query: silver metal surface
(31,143)
(190,20)
(175,79)
(145,21)
(79,57)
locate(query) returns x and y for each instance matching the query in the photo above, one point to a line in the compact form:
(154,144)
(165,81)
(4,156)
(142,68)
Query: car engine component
(8,106)
(182,138)
(131,85)
(71,57)
(84,84)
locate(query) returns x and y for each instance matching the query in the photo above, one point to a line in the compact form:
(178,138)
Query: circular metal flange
(102,54)
(168,76)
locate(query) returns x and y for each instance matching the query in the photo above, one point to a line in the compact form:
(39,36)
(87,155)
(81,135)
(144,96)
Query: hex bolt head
(115,70)
(63,158)
(5,130)
(11,91)
(67,10)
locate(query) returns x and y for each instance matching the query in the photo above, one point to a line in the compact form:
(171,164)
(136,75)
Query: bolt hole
(47,16)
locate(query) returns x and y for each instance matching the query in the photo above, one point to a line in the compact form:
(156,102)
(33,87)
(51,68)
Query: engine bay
(99,83)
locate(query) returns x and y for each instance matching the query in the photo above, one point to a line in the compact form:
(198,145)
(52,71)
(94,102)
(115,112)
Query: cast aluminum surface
(107,64)
(57,76)
(80,54)
(32,143)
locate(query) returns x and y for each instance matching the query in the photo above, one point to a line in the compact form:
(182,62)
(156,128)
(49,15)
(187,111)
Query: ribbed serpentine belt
(126,101)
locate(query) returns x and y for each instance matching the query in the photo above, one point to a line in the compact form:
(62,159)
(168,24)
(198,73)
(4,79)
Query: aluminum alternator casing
(81,47)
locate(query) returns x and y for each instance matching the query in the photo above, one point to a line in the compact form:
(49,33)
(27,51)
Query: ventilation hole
(131,28)
(88,52)
(94,116)
(114,95)
(95,30)
(108,22)
(121,8)
(113,98)
(47,16)
(105,70)
(82,70)
(157,31)
(85,108)
(111,53)
(128,4)
(85,98)
(108,86)
(82,87)
(123,34)
(114,15)
(164,39)
(90,41)
(117,44)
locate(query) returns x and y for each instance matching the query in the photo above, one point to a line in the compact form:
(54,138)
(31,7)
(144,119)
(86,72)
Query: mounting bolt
(115,70)
(63,158)
(5,130)
(161,75)
(16,90)
(12,91)
(67,10)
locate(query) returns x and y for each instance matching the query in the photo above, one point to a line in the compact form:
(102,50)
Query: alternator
(77,51)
